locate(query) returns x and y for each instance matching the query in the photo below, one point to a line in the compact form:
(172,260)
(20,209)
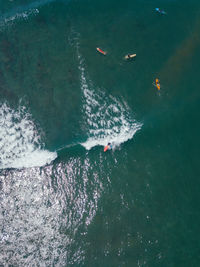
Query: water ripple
(46,210)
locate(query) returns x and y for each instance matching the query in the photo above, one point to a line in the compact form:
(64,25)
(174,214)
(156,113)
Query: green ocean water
(64,202)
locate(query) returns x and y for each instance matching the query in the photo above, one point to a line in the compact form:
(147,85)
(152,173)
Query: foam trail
(20,144)
(106,119)
(22,12)
(18,16)
(108,122)
(9,19)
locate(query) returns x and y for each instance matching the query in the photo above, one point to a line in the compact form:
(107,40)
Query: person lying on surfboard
(157,84)
(130,56)
(108,147)
(162,12)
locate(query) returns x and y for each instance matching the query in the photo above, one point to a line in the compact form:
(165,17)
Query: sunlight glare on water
(42,211)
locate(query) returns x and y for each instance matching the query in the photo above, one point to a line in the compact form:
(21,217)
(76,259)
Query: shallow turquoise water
(64,201)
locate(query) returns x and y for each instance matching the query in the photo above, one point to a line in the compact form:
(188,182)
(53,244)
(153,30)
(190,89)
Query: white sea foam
(20,142)
(23,15)
(106,118)
(23,12)
(9,19)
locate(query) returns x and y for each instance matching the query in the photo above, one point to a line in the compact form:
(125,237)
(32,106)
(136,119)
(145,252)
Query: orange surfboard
(157,84)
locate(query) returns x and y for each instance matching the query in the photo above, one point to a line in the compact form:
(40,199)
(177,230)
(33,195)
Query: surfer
(109,146)
(130,56)
(157,83)
(162,12)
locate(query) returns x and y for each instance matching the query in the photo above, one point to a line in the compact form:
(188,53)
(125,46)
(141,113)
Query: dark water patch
(141,25)
(44,70)
(8,50)
(1,185)
(7,93)
(41,20)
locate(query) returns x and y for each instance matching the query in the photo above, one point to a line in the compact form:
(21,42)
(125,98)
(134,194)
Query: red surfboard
(105,148)
(101,51)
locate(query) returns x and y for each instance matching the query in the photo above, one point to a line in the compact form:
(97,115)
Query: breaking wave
(106,119)
(22,12)
(10,19)
(20,142)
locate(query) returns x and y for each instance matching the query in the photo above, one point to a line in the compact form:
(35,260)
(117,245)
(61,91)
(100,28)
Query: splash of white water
(106,118)
(20,144)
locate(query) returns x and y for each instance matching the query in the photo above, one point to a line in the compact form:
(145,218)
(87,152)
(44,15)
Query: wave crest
(20,143)
(106,119)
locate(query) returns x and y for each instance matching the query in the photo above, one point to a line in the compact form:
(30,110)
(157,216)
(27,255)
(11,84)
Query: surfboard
(105,148)
(130,56)
(157,84)
(101,51)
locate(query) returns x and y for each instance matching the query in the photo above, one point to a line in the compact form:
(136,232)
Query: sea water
(63,201)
